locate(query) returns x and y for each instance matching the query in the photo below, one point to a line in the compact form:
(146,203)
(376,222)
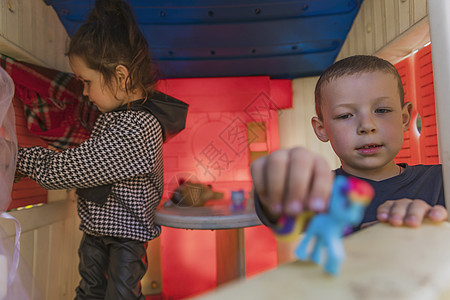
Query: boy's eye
(343,116)
(382,110)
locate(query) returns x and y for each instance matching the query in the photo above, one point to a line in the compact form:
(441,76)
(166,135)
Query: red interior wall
(425,95)
(214,149)
(416,72)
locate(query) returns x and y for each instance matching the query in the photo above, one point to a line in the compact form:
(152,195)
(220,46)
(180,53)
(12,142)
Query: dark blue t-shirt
(422,182)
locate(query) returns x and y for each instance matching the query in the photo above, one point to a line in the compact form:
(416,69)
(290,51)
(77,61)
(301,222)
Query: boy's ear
(319,129)
(121,75)
(406,115)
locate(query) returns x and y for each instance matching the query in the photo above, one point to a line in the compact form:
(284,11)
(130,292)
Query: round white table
(230,242)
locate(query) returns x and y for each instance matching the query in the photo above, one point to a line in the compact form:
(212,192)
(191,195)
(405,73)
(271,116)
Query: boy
(361,111)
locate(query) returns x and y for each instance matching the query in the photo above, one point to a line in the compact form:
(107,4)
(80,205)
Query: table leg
(230,249)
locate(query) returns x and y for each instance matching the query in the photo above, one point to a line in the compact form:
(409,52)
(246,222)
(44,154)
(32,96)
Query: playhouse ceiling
(201,38)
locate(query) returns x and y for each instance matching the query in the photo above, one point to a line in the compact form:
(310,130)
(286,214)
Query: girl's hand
(291,181)
(410,212)
(18,176)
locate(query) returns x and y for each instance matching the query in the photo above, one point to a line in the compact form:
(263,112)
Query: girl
(119,170)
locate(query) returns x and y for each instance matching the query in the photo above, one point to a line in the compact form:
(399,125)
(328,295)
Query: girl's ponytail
(110,37)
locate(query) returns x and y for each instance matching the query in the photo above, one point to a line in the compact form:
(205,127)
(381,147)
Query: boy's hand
(410,212)
(291,181)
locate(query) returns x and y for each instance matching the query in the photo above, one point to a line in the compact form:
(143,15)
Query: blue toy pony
(348,200)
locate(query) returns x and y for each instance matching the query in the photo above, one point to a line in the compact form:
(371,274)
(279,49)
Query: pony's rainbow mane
(359,191)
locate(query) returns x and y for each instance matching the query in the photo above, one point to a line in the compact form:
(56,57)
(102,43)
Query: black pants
(111,268)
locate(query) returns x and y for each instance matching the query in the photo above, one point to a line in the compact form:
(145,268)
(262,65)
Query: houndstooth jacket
(125,150)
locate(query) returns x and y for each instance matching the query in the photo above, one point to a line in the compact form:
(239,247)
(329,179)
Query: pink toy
(237,200)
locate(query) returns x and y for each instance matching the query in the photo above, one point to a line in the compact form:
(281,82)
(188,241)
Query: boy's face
(364,121)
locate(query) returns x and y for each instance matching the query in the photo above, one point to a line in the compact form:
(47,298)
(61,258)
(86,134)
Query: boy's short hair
(354,65)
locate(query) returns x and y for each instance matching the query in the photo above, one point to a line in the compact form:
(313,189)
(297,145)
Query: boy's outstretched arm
(291,181)
(410,212)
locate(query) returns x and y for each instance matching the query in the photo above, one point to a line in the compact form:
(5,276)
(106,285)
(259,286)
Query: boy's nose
(366,129)
(367,125)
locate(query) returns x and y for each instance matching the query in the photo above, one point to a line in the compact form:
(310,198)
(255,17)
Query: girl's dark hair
(110,37)
(354,65)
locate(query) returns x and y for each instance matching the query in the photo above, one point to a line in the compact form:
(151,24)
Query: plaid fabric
(53,103)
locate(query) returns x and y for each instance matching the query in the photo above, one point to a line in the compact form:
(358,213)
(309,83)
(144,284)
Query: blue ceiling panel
(280,39)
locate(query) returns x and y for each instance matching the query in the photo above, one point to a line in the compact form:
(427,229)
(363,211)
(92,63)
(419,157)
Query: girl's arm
(126,149)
